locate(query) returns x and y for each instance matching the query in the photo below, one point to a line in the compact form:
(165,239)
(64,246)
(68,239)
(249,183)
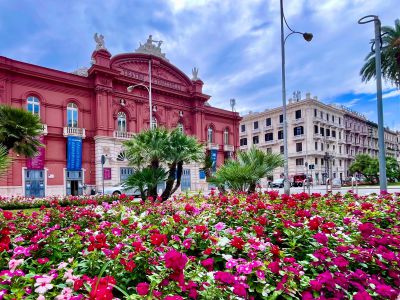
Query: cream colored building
(323,139)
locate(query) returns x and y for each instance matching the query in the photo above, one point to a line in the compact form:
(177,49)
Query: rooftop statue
(151,47)
(99,39)
(195,72)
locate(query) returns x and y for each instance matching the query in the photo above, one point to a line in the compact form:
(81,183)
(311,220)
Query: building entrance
(74,183)
(34,183)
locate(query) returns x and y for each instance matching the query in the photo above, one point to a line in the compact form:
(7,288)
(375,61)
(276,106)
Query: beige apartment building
(323,139)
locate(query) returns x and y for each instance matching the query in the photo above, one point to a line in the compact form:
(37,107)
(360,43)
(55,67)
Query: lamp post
(148,88)
(378,75)
(308,37)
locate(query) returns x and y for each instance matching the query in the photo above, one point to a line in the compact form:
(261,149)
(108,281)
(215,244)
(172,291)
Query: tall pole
(150,102)
(381,133)
(286,184)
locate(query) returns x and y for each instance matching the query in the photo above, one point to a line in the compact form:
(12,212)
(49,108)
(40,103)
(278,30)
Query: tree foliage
(164,153)
(390,56)
(19,131)
(243,173)
(4,160)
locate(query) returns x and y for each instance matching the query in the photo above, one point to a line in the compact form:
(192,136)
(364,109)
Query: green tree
(156,148)
(390,54)
(246,171)
(19,131)
(4,160)
(366,166)
(392,169)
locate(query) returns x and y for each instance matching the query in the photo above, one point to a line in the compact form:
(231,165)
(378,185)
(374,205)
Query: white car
(277,183)
(118,190)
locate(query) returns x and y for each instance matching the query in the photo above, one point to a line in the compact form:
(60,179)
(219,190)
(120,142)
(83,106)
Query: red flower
(314,223)
(208,263)
(275,250)
(224,277)
(237,242)
(240,290)
(102,289)
(157,239)
(142,288)
(175,260)
(274,267)
(177,218)
(8,215)
(42,261)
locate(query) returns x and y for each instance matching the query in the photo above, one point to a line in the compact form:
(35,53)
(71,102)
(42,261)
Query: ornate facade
(94,107)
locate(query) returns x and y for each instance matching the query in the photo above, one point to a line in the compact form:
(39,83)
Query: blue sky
(235,44)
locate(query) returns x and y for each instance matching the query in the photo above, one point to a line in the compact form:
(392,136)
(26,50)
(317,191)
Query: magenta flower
(175,260)
(142,288)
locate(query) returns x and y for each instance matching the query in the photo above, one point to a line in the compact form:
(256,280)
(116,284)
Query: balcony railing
(243,133)
(270,142)
(124,135)
(74,131)
(44,129)
(229,148)
(298,137)
(269,127)
(212,146)
(318,136)
(298,121)
(256,130)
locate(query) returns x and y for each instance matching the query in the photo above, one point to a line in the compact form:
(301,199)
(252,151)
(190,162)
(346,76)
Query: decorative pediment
(164,74)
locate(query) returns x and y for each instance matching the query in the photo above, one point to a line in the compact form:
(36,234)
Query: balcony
(298,121)
(269,127)
(280,125)
(243,133)
(256,130)
(270,142)
(74,131)
(331,139)
(123,135)
(229,148)
(298,137)
(212,146)
(318,136)
(44,129)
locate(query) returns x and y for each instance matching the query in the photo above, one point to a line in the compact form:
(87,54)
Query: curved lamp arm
(131,87)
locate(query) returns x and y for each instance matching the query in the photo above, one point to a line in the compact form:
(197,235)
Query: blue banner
(214,159)
(74,153)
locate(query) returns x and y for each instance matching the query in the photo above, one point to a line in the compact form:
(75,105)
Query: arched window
(181,128)
(154,123)
(33,105)
(121,122)
(299,130)
(72,115)
(210,134)
(226,136)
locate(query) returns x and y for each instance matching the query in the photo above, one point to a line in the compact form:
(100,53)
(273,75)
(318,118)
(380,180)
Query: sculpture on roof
(151,47)
(99,39)
(195,72)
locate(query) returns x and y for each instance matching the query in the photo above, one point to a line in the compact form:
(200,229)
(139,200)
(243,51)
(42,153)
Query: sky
(234,43)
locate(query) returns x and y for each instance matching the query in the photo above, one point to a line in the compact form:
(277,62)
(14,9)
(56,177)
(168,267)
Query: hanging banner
(214,159)
(74,153)
(37,162)
(107,173)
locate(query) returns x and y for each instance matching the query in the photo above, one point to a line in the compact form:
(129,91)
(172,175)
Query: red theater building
(89,113)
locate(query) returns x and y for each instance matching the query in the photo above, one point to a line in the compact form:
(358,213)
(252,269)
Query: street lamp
(378,75)
(308,37)
(148,88)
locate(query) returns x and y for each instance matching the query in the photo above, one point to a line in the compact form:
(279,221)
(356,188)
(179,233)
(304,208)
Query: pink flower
(208,263)
(43,284)
(42,261)
(173,298)
(219,226)
(274,267)
(321,238)
(240,290)
(142,288)
(224,277)
(14,263)
(362,295)
(175,260)
(66,294)
(187,243)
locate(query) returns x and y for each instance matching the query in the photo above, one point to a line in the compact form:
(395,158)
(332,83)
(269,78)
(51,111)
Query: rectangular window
(340,135)
(328,132)
(322,131)
(299,130)
(340,162)
(322,146)
(316,129)
(255,140)
(299,161)
(299,147)
(333,119)
(124,173)
(243,127)
(280,135)
(322,161)
(334,133)
(322,115)
(256,125)
(315,112)
(280,118)
(327,117)
(340,121)
(316,161)
(243,142)
(269,136)
(282,149)
(268,122)
(340,149)
(298,114)
(316,145)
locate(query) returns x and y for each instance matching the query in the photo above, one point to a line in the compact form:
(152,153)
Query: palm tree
(182,149)
(4,159)
(145,178)
(19,131)
(244,173)
(390,57)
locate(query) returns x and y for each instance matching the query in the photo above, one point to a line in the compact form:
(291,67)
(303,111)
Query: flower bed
(19,202)
(221,247)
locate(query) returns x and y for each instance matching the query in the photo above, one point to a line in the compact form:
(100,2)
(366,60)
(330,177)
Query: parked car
(298,180)
(118,190)
(277,183)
